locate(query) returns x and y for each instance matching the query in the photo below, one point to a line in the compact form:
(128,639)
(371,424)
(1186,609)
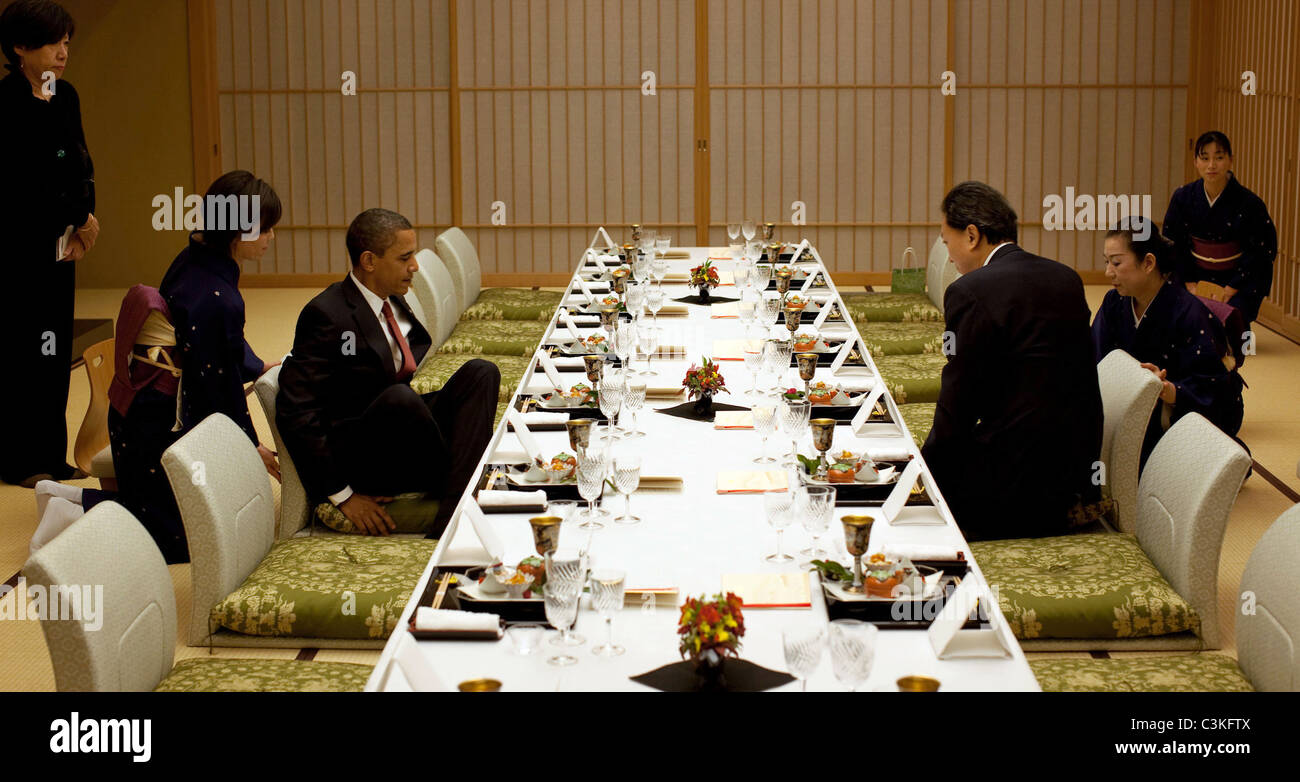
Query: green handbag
(907,279)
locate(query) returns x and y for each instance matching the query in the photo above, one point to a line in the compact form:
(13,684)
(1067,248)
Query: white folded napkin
(427,618)
(857,385)
(569,362)
(488,498)
(898,454)
(533,419)
(920,551)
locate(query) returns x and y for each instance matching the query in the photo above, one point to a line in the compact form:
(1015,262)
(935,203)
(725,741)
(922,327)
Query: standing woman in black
(1221,231)
(47,221)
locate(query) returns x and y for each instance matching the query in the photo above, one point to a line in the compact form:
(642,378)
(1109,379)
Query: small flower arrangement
(704,380)
(793,395)
(705,276)
(715,625)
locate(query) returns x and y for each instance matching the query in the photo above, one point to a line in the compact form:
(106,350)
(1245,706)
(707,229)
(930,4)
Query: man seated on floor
(1017,429)
(357,432)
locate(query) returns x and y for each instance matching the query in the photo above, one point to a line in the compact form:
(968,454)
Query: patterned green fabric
(919,418)
(210,674)
(1082,586)
(437,369)
(326,586)
(907,280)
(501,413)
(902,339)
(495,338)
(1197,672)
(913,378)
(891,308)
(412,513)
(513,304)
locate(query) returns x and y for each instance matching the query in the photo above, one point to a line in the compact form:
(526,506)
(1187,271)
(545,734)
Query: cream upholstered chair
(1153,590)
(510,304)
(1268,637)
(457,251)
(936,267)
(131,649)
(1128,394)
(413,301)
(295,509)
(297,588)
(437,296)
(92,452)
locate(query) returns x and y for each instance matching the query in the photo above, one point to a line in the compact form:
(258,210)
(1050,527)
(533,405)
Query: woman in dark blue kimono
(1221,231)
(1171,331)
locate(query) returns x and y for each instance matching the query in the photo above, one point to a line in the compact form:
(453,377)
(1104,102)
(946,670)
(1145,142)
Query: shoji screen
(1071,93)
(834,103)
(557,131)
(284,116)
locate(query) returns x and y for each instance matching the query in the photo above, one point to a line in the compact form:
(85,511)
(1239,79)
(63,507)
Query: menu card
(729,349)
(769,590)
(733,419)
(751,481)
(726,309)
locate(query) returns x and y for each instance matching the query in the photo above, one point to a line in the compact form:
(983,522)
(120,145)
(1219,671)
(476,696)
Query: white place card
(525,437)
(901,491)
(864,412)
(484,530)
(601,233)
(946,635)
(548,367)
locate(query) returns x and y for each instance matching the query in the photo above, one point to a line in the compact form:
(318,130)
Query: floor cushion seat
(412,513)
(1082,586)
(1198,672)
(437,368)
(211,674)
(891,308)
(919,417)
(513,304)
(495,338)
(913,378)
(902,339)
(326,586)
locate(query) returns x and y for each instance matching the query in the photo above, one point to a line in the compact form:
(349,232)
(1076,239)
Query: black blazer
(340,363)
(1018,425)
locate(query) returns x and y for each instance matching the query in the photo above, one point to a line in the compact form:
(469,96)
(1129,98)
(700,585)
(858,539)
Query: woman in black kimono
(1221,231)
(200,297)
(1158,322)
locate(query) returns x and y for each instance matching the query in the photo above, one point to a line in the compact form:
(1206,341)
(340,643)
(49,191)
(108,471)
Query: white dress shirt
(403,323)
(989,257)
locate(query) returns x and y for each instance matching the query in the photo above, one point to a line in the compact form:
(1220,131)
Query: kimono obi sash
(1216,256)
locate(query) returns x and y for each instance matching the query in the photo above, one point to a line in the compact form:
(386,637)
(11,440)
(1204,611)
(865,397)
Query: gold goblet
(480,685)
(774,253)
(620,280)
(823,433)
(636,232)
(768,230)
(546,533)
(595,366)
(918,684)
(807,368)
(579,434)
(793,317)
(609,321)
(857,537)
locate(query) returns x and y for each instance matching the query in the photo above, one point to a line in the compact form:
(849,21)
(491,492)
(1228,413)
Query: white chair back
(457,251)
(128,646)
(1128,394)
(224,495)
(934,264)
(437,295)
(413,301)
(295,508)
(1268,615)
(1187,490)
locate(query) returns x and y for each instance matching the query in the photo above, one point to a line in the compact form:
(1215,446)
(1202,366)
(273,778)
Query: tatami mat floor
(1272,430)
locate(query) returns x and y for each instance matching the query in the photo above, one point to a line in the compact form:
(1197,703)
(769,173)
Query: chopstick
(443,583)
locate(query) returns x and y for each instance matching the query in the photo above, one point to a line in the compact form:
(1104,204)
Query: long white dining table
(689,539)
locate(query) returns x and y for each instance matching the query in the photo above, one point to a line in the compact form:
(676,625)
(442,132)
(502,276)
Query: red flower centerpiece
(710,631)
(705,278)
(703,382)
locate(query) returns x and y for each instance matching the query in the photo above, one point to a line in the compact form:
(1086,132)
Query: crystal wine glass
(647,342)
(659,269)
(853,650)
(733,231)
(591,479)
(764,423)
(608,588)
(821,509)
(662,243)
(636,294)
(794,420)
(655,301)
(776,505)
(625,342)
(561,611)
(803,648)
(761,276)
(753,356)
(611,400)
(633,401)
(627,477)
(748,229)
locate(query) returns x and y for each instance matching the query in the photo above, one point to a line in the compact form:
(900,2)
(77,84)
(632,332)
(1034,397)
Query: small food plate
(884,476)
(902,613)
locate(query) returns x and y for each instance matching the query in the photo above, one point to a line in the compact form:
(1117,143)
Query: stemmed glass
(635,299)
(567,572)
(748,229)
(777,506)
(760,277)
(742,274)
(764,423)
(611,400)
(821,509)
(659,268)
(733,232)
(625,343)
(591,479)
(803,648)
(627,477)
(776,360)
(647,342)
(753,356)
(641,268)
(853,650)
(794,420)
(747,307)
(655,301)
(771,308)
(607,591)
(633,401)
(561,612)
(662,243)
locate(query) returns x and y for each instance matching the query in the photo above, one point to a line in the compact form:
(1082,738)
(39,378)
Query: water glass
(794,421)
(525,638)
(636,295)
(817,519)
(608,588)
(748,229)
(625,342)
(561,611)
(853,651)
(633,401)
(742,275)
(803,647)
(591,479)
(627,477)
(733,231)
(654,300)
(647,342)
(761,276)
(753,356)
(611,400)
(748,307)
(764,413)
(776,505)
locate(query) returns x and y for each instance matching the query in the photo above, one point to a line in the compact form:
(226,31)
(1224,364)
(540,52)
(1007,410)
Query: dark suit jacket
(340,363)
(1018,424)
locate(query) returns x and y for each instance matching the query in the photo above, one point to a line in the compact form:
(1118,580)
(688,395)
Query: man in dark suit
(356,430)
(1017,430)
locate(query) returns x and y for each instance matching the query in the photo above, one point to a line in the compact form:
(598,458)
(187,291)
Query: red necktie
(408,361)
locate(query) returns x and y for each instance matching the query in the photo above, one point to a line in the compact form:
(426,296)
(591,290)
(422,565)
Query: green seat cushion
(437,369)
(495,338)
(326,586)
(919,417)
(913,378)
(891,308)
(1082,586)
(1197,672)
(210,674)
(902,339)
(513,304)
(412,513)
